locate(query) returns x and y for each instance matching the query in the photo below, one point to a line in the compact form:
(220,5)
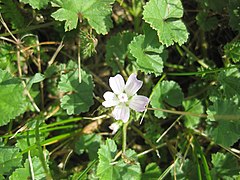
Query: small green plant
(119,89)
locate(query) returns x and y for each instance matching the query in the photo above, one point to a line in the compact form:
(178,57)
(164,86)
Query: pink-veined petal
(109,103)
(133,85)
(110,99)
(117,84)
(121,112)
(138,103)
(109,96)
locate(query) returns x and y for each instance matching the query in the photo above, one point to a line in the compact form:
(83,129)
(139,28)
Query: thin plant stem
(61,45)
(7,39)
(66,160)
(90,166)
(31,165)
(150,150)
(79,61)
(165,173)
(120,67)
(179,112)
(163,76)
(18,62)
(40,71)
(195,57)
(6,27)
(230,117)
(168,129)
(40,44)
(124,141)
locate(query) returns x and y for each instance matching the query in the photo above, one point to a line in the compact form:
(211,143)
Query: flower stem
(124,143)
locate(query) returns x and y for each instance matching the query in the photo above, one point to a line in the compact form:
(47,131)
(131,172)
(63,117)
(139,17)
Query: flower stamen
(123,97)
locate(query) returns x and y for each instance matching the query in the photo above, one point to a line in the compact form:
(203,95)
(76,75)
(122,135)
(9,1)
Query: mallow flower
(124,97)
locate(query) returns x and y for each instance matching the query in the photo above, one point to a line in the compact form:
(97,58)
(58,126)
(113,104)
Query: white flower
(124,97)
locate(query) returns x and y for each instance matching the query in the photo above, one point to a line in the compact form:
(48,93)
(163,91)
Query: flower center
(123,97)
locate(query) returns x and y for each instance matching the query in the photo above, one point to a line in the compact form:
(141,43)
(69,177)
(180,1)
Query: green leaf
(36,4)
(225,166)
(38,77)
(232,51)
(12,101)
(97,12)
(9,159)
(164,94)
(129,167)
(152,129)
(79,96)
(165,17)
(106,153)
(234,12)
(225,122)
(88,143)
(24,173)
(10,11)
(193,106)
(27,139)
(117,49)
(148,52)
(7,57)
(230,81)
(205,22)
(152,172)
(111,170)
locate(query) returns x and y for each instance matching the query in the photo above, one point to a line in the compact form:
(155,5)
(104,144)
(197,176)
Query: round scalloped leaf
(165,17)
(230,81)
(164,94)
(9,159)
(88,143)
(127,168)
(97,12)
(79,96)
(225,166)
(12,101)
(148,61)
(225,120)
(25,172)
(193,106)
(149,53)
